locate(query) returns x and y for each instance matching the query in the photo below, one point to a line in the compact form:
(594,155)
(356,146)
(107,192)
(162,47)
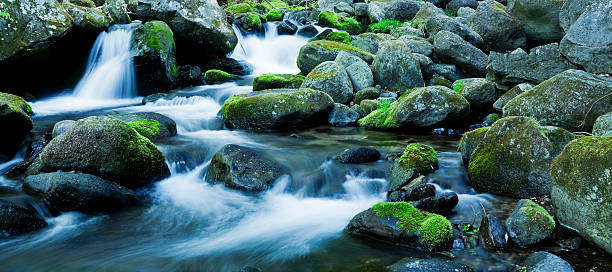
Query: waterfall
(110,70)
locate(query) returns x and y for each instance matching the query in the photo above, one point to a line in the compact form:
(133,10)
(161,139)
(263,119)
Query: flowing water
(189,225)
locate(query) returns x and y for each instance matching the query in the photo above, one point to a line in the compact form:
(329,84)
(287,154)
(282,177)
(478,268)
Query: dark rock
(286,28)
(15,219)
(308,31)
(420,192)
(543,261)
(189,75)
(411,264)
(441,203)
(499,29)
(359,155)
(342,116)
(529,224)
(250,23)
(16,123)
(540,19)
(493,232)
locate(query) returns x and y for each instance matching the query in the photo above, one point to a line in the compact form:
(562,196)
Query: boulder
(510,94)
(366,93)
(117,11)
(588,46)
(250,23)
(15,119)
(479,92)
(154,59)
(359,155)
(453,6)
(469,141)
(361,75)
(331,78)
(200,24)
(339,36)
(79,192)
(106,147)
(440,203)
(441,22)
(316,52)
(429,107)
(572,100)
(377,11)
(542,63)
(342,116)
(571,10)
(15,219)
(215,76)
(514,157)
(370,42)
(603,125)
(412,264)
(418,45)
(287,28)
(189,75)
(543,261)
(540,19)
(277,109)
(340,22)
(149,124)
(277,81)
(581,184)
(243,168)
(87,18)
(62,126)
(500,30)
(400,223)
(417,159)
(529,224)
(448,71)
(395,69)
(403,10)
(492,232)
(451,48)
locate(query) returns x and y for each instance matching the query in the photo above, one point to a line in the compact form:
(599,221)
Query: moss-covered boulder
(339,36)
(572,100)
(510,94)
(582,189)
(239,8)
(216,76)
(479,92)
(365,94)
(250,23)
(400,223)
(277,109)
(529,223)
(274,15)
(500,30)
(331,19)
(15,119)
(316,52)
(87,18)
(277,81)
(152,125)
(106,147)
(243,168)
(154,60)
(395,68)
(29,26)
(451,48)
(331,78)
(603,125)
(469,141)
(417,159)
(514,157)
(540,19)
(117,10)
(15,219)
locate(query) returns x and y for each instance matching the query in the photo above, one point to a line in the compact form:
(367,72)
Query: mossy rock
(87,18)
(277,81)
(331,19)
(316,52)
(106,147)
(603,125)
(385,26)
(582,189)
(417,159)
(250,23)
(16,122)
(117,10)
(367,93)
(428,107)
(395,68)
(239,8)
(331,78)
(469,141)
(151,125)
(380,117)
(274,15)
(339,36)
(369,105)
(216,76)
(277,109)
(529,223)
(401,223)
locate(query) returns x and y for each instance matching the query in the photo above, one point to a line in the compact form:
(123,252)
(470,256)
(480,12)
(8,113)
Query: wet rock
(286,28)
(499,29)
(510,94)
(603,125)
(581,185)
(400,223)
(543,261)
(440,203)
(493,232)
(542,63)
(370,42)
(189,75)
(540,19)
(79,192)
(441,22)
(469,141)
(15,219)
(448,71)
(412,264)
(277,81)
(87,18)
(243,168)
(331,78)
(308,31)
(250,23)
(106,147)
(479,92)
(16,123)
(215,76)
(277,109)
(572,100)
(366,93)
(414,190)
(451,48)
(32,153)
(429,107)
(418,45)
(149,124)
(417,159)
(342,116)
(314,53)
(453,6)
(395,69)
(359,155)
(117,10)
(529,224)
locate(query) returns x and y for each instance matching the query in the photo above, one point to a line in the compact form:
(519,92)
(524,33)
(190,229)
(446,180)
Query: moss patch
(239,8)
(146,127)
(277,81)
(458,86)
(16,103)
(274,15)
(339,36)
(385,26)
(214,76)
(381,118)
(535,212)
(331,19)
(419,156)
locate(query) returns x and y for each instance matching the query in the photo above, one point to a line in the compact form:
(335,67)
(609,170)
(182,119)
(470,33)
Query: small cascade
(110,70)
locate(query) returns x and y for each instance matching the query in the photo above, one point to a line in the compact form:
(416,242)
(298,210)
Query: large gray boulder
(15,119)
(451,48)
(479,92)
(29,26)
(15,219)
(499,29)
(361,75)
(572,9)
(430,106)
(588,46)
(201,24)
(331,78)
(316,52)
(581,184)
(441,22)
(87,18)
(243,168)
(603,125)
(543,261)
(395,69)
(540,18)
(542,63)
(572,100)
(370,42)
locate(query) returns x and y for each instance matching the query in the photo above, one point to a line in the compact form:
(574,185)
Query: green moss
(252,20)
(332,45)
(214,76)
(160,35)
(274,15)
(451,14)
(418,22)
(274,4)
(419,156)
(435,230)
(458,86)
(440,81)
(277,81)
(239,8)
(146,127)
(381,118)
(483,165)
(385,26)
(331,19)
(535,212)
(16,103)
(339,36)
(498,6)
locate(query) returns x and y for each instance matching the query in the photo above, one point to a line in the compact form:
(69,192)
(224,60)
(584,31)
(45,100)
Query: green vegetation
(331,19)
(146,127)
(451,14)
(534,212)
(15,103)
(5,15)
(381,118)
(274,15)
(385,26)
(214,76)
(277,81)
(239,8)
(160,35)
(339,36)
(458,86)
(419,156)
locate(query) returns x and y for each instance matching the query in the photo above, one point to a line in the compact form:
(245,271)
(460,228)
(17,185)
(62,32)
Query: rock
(87,18)
(429,107)
(479,92)
(453,49)
(540,19)
(117,10)
(581,183)
(308,31)
(588,46)
(327,5)
(339,36)
(400,223)
(448,71)
(377,11)
(441,203)
(469,141)
(418,45)
(514,157)
(79,192)
(403,10)
(425,63)
(453,6)
(490,119)
(417,159)
(366,93)
(603,125)
(16,123)
(426,11)
(407,30)
(510,94)
(250,23)
(277,81)
(342,116)
(413,190)
(499,29)
(331,19)
(441,22)
(331,78)
(571,10)
(277,109)
(370,42)
(239,8)
(572,100)
(287,28)
(542,63)
(215,76)
(15,219)
(189,75)
(344,7)
(529,224)
(106,147)
(200,24)
(493,232)
(543,261)
(314,53)
(369,105)
(154,60)
(149,124)
(412,264)
(359,155)
(62,126)
(243,168)
(361,75)
(395,69)
(465,12)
